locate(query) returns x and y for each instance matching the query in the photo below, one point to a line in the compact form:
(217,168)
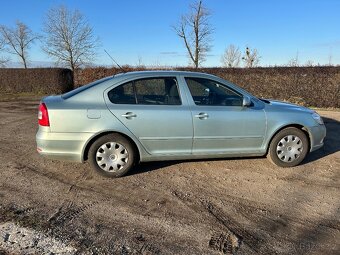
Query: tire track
(227,241)
(232,236)
(67,212)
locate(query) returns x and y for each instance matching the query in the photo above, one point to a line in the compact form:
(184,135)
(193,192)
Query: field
(243,206)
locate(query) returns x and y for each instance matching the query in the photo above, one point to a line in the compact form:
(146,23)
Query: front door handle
(129,115)
(202,115)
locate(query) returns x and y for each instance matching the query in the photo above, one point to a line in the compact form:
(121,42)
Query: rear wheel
(112,155)
(288,147)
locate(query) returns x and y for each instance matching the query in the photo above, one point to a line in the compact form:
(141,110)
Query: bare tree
(231,56)
(18,40)
(251,57)
(195,30)
(294,62)
(69,38)
(309,63)
(330,57)
(140,62)
(3,60)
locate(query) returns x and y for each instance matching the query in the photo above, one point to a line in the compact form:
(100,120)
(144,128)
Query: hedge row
(309,86)
(36,80)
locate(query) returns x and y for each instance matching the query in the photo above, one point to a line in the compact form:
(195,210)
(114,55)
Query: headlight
(317,118)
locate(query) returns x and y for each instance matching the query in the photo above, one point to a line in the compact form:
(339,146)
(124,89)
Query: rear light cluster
(43,116)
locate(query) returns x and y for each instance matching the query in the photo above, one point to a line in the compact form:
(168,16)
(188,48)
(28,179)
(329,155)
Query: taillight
(43,115)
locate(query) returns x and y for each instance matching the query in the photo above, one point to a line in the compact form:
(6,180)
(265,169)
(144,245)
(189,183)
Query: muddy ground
(243,206)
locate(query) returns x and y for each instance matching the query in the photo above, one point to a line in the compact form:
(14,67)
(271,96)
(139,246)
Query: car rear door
(154,111)
(221,124)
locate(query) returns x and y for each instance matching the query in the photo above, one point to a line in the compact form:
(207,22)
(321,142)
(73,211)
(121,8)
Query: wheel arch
(298,126)
(87,146)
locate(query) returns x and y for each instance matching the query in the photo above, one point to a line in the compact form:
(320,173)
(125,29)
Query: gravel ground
(234,206)
(17,239)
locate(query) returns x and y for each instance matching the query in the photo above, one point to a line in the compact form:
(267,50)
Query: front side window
(209,92)
(150,91)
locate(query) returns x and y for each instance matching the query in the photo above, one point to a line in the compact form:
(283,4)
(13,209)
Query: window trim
(148,78)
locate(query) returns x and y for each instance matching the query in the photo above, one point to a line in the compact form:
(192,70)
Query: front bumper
(62,146)
(317,135)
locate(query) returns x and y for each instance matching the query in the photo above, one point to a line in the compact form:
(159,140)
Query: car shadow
(331,145)
(145,167)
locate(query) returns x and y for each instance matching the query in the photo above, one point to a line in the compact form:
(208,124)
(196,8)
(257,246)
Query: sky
(141,31)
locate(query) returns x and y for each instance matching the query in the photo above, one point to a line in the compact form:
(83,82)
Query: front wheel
(111,155)
(288,147)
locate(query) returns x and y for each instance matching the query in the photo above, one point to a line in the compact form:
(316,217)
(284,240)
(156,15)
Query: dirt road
(243,206)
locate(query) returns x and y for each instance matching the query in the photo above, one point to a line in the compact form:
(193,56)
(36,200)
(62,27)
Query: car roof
(162,73)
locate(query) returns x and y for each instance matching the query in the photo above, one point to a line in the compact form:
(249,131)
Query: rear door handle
(129,115)
(202,115)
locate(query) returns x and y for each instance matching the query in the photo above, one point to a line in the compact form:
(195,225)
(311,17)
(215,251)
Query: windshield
(85,87)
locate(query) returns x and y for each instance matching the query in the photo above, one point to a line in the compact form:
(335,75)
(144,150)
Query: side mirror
(246,101)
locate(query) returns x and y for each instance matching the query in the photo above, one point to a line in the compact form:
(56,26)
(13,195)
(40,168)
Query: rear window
(147,91)
(83,88)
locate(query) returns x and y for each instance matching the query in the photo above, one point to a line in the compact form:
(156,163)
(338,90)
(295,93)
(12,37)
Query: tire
(112,155)
(288,147)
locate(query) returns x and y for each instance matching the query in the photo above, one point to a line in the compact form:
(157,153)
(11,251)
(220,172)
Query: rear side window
(123,94)
(150,91)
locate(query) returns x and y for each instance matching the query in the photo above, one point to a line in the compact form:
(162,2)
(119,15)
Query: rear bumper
(63,146)
(317,135)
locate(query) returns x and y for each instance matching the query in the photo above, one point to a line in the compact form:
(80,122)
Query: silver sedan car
(118,121)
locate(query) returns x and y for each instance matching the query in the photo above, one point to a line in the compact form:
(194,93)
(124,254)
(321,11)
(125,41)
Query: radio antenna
(114,61)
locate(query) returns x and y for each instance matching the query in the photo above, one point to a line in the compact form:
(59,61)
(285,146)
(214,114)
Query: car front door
(153,110)
(221,124)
